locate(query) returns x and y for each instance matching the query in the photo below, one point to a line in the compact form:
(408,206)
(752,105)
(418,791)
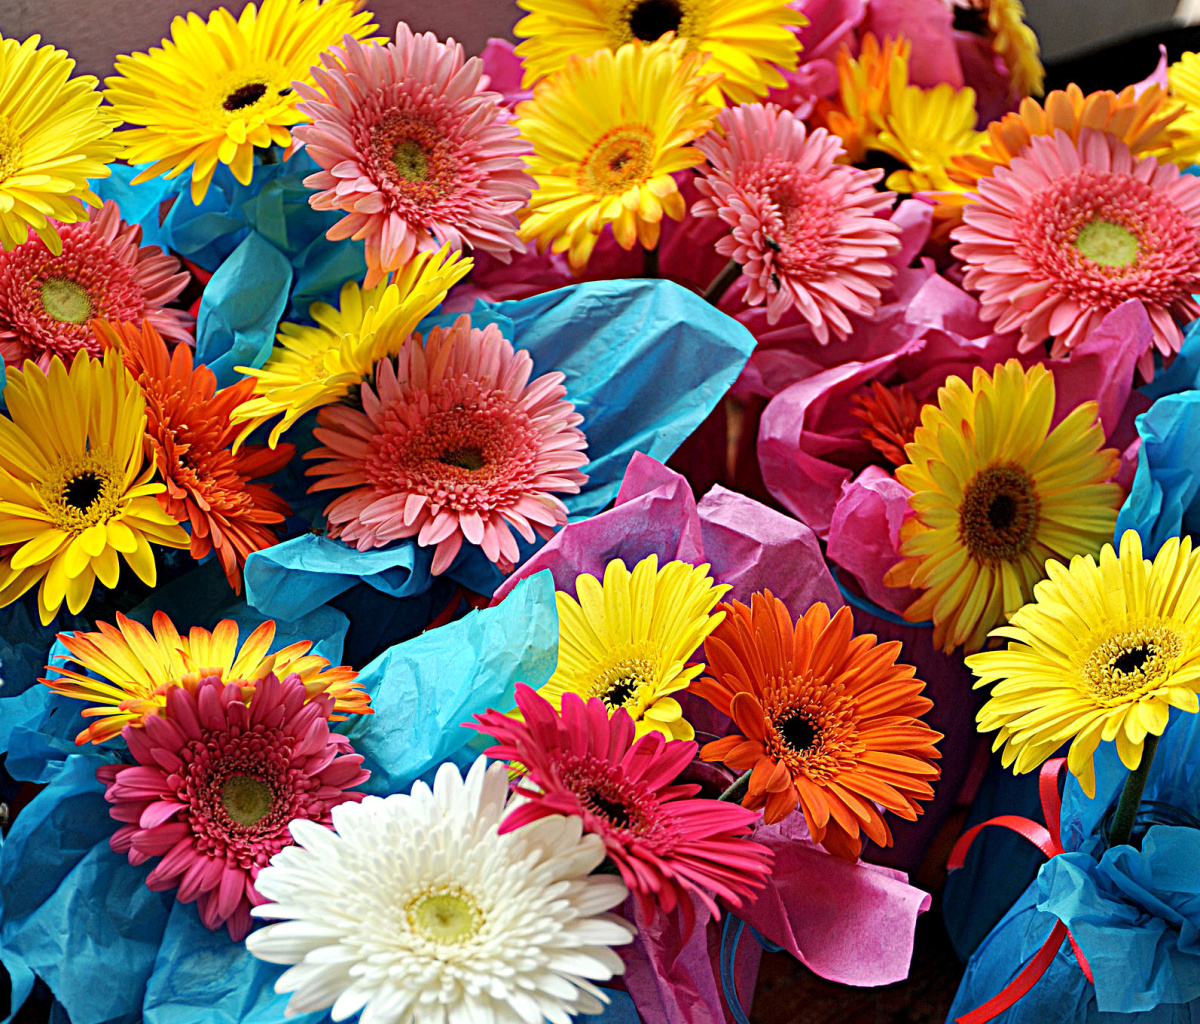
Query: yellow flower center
(247,800)
(10,150)
(648,20)
(620,158)
(999,513)
(623,675)
(1108,244)
(1126,664)
(444,914)
(83,491)
(66,301)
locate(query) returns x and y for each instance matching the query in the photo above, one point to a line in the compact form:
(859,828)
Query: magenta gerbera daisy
(413,150)
(1069,231)
(807,232)
(47,302)
(216,783)
(453,442)
(663,840)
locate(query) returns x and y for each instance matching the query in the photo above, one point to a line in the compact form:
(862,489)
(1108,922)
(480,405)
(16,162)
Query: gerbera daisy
(453,442)
(924,129)
(215,90)
(747,41)
(217,781)
(432,901)
(826,721)
(53,137)
(864,85)
(48,301)
(75,488)
(1012,41)
(607,133)
(1103,652)
(808,232)
(891,416)
(1069,231)
(628,641)
(314,366)
(126,671)
(995,494)
(412,150)
(664,842)
(189,432)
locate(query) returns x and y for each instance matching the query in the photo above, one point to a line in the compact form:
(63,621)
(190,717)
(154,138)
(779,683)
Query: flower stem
(737,788)
(1131,795)
(269,156)
(720,284)
(650,262)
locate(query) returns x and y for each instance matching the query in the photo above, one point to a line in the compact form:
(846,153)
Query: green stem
(650,262)
(1131,796)
(720,285)
(737,788)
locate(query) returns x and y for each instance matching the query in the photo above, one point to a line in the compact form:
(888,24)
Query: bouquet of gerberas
(672,400)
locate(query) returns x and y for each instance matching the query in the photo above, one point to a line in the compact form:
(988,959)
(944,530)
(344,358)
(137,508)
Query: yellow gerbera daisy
(1103,653)
(217,89)
(925,129)
(628,641)
(1012,41)
(747,41)
(995,494)
(864,85)
(1184,85)
(74,487)
(314,366)
(607,133)
(132,670)
(53,138)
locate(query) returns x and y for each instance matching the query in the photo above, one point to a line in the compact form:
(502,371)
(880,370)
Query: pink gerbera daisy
(1069,231)
(663,840)
(413,150)
(808,232)
(216,783)
(47,302)
(453,441)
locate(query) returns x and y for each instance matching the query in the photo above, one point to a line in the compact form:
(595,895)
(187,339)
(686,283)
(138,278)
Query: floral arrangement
(707,423)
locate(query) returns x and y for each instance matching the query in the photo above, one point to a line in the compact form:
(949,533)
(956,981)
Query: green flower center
(1108,244)
(445,915)
(247,800)
(66,301)
(410,161)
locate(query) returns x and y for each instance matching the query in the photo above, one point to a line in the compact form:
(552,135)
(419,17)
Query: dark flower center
(467,456)
(651,18)
(1133,660)
(999,513)
(244,97)
(620,691)
(799,732)
(247,800)
(616,812)
(82,490)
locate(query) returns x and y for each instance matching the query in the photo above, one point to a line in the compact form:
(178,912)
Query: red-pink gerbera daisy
(1069,231)
(663,840)
(453,441)
(413,150)
(47,302)
(216,782)
(808,232)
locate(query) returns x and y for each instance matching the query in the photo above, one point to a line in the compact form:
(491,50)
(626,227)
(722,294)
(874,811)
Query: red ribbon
(1048,840)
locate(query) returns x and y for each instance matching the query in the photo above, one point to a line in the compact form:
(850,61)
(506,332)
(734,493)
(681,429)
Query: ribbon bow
(1047,839)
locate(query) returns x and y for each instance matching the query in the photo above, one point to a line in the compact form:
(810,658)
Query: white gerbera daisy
(418,911)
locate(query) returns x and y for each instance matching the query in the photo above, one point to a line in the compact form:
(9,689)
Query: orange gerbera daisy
(864,85)
(190,434)
(827,721)
(132,670)
(891,416)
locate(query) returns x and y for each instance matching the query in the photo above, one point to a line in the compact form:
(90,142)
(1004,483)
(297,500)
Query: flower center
(813,728)
(65,301)
(83,491)
(650,19)
(445,915)
(617,812)
(999,513)
(799,732)
(410,162)
(622,676)
(1129,663)
(620,158)
(244,96)
(1108,244)
(468,456)
(247,800)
